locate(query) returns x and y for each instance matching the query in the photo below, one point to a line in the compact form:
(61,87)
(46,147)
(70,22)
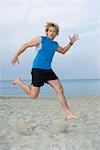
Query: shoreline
(47,97)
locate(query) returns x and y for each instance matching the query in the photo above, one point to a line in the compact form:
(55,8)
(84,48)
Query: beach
(40,125)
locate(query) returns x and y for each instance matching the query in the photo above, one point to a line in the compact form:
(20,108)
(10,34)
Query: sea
(72,87)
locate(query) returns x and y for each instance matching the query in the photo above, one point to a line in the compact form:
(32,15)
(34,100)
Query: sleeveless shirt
(45,54)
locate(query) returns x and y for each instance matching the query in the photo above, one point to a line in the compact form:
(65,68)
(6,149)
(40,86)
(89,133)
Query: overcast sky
(22,20)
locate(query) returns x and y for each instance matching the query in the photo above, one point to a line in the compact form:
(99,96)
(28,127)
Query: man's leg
(59,90)
(30,90)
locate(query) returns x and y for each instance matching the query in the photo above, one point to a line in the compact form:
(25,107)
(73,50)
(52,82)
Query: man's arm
(34,42)
(73,39)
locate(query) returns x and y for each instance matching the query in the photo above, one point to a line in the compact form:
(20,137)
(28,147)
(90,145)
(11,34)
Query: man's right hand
(14,60)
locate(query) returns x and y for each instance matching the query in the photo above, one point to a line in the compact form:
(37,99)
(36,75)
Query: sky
(22,20)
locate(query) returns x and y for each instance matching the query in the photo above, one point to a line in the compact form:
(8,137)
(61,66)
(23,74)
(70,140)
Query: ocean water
(79,87)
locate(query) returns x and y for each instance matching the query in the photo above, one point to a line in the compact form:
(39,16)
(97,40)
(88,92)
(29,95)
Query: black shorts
(41,76)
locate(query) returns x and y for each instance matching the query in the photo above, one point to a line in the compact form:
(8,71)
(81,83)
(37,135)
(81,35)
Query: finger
(77,38)
(12,62)
(77,35)
(18,61)
(74,34)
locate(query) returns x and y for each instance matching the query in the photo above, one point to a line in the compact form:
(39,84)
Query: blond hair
(51,24)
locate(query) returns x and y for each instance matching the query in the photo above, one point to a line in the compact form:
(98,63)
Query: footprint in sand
(18,126)
(58,126)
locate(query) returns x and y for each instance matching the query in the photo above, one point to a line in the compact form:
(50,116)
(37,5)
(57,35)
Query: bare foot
(69,115)
(16,81)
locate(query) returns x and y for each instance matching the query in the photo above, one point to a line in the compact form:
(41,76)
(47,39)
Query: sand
(40,125)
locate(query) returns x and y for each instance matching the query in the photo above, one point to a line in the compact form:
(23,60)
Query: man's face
(51,33)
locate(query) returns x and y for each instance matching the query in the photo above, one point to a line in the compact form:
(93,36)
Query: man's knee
(59,90)
(34,96)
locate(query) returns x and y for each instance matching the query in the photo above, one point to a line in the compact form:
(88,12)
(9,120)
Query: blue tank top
(45,53)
